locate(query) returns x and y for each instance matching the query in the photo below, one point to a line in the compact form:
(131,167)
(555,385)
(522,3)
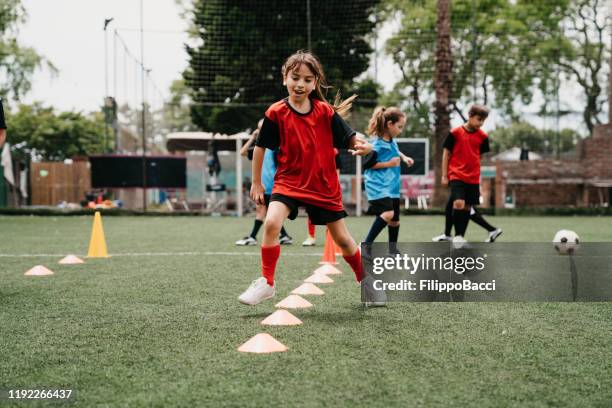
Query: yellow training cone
(281,318)
(97,243)
(39,270)
(262,343)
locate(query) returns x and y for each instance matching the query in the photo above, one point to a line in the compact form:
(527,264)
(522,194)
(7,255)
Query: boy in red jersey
(304,129)
(461,166)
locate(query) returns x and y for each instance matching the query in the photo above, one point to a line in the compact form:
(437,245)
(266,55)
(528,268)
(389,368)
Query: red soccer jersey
(465,148)
(306,169)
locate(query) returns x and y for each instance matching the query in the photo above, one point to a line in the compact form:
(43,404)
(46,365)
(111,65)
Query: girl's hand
(408,160)
(444,181)
(360,148)
(257,193)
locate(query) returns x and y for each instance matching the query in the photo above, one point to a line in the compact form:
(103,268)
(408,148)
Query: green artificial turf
(158,324)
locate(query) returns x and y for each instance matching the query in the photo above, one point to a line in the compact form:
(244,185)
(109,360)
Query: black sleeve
(250,152)
(341,131)
(449,143)
(2,123)
(484,146)
(275,157)
(269,135)
(370,160)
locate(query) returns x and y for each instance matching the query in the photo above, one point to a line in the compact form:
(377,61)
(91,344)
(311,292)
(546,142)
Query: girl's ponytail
(381,117)
(343,108)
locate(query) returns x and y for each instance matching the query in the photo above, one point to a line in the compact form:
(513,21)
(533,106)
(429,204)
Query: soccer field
(158,323)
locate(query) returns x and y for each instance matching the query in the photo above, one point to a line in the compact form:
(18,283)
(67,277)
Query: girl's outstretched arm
(257,189)
(359,147)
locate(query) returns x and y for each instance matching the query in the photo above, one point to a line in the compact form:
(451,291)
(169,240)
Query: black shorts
(267,199)
(317,215)
(382,205)
(470,193)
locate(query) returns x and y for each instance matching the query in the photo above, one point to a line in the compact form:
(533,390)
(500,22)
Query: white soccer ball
(566,242)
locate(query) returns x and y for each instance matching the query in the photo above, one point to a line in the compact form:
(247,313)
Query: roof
(514,154)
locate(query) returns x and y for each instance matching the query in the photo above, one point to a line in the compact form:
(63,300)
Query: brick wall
(596,153)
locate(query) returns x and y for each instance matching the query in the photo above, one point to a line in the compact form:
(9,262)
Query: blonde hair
(382,116)
(307,58)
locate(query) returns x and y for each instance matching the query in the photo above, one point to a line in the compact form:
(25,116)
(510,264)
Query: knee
(387,216)
(273,226)
(459,204)
(394,223)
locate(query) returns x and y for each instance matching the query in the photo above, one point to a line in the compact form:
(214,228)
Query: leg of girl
(350,250)
(263,288)
(352,255)
(393,235)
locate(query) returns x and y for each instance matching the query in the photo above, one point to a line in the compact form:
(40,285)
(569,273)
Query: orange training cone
(262,343)
(329,254)
(281,318)
(318,278)
(293,302)
(327,270)
(97,243)
(71,260)
(307,289)
(39,270)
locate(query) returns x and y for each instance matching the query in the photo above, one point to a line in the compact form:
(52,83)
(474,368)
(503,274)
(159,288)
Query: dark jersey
(305,143)
(465,150)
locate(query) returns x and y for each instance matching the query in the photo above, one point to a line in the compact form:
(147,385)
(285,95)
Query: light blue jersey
(268,170)
(382,183)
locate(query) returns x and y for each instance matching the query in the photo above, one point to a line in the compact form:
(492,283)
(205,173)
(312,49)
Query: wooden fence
(52,182)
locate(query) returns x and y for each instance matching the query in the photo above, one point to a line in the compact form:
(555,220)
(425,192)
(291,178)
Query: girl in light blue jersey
(268,171)
(382,172)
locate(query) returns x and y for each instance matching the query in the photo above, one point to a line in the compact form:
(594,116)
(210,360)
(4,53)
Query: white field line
(159,254)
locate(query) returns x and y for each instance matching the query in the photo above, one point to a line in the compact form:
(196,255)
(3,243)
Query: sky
(70,34)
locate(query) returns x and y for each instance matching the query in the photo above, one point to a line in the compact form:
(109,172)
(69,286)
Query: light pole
(106,23)
(144,109)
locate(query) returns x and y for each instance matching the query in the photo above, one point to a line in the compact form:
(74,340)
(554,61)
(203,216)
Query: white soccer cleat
(246,241)
(257,292)
(493,235)
(442,238)
(285,240)
(310,241)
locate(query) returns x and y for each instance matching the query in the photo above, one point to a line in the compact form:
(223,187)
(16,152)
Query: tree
(234,73)
(17,63)
(523,134)
(176,114)
(583,54)
(38,131)
(443,87)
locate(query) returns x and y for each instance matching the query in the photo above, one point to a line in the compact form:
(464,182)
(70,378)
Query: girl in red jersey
(304,129)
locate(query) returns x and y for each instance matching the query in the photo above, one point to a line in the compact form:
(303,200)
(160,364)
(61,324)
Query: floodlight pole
(106,23)
(144,108)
